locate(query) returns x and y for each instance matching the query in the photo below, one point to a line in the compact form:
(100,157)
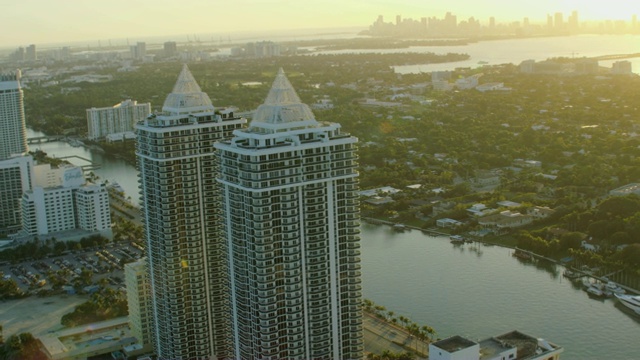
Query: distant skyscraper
(558,21)
(31,54)
(139,51)
(181,202)
(291,224)
(13,136)
(573,21)
(170,48)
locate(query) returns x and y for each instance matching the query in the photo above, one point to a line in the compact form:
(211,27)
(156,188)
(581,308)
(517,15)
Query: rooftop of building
(527,346)
(186,96)
(282,105)
(454,343)
(91,339)
(627,189)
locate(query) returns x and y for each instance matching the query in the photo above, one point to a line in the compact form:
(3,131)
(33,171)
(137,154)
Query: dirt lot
(36,315)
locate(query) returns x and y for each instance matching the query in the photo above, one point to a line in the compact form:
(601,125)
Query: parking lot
(94,264)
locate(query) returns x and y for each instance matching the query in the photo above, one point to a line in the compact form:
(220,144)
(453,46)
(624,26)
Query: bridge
(88,167)
(617,56)
(44,139)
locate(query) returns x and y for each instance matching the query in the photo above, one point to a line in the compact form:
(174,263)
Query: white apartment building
(64,203)
(92,208)
(513,345)
(290,215)
(115,120)
(16,177)
(139,302)
(181,204)
(13,133)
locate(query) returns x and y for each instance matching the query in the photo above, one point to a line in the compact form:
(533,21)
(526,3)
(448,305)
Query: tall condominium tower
(139,302)
(181,205)
(16,171)
(13,137)
(291,223)
(115,120)
(16,177)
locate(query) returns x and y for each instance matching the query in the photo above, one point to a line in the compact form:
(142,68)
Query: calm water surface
(514,51)
(479,291)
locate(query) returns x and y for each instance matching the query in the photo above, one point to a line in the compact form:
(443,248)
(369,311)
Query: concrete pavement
(380,335)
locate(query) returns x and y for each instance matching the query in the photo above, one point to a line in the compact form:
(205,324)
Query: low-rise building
(60,202)
(84,341)
(512,346)
(479,210)
(486,178)
(505,219)
(448,223)
(378,191)
(540,212)
(633,188)
(493,86)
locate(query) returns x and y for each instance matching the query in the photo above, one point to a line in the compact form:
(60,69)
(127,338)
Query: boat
(521,254)
(399,227)
(614,288)
(571,274)
(456,239)
(595,290)
(75,142)
(630,301)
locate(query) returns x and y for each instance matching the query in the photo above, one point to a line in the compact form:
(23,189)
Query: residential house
(540,212)
(505,219)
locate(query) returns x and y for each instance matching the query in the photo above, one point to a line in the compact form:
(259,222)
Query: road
(380,335)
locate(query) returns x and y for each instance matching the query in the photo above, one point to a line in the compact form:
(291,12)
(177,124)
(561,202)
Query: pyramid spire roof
(187,97)
(282,105)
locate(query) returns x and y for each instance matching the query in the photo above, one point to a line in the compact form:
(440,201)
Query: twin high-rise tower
(252,233)
(291,223)
(181,202)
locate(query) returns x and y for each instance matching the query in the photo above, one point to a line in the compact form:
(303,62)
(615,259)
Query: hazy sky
(41,22)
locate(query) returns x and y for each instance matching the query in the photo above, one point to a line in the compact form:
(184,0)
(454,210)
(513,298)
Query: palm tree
(403,320)
(366,304)
(429,330)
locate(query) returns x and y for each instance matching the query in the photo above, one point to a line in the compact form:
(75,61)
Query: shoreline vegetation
(415,337)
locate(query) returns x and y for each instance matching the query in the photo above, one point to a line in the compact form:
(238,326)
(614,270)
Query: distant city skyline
(46,22)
